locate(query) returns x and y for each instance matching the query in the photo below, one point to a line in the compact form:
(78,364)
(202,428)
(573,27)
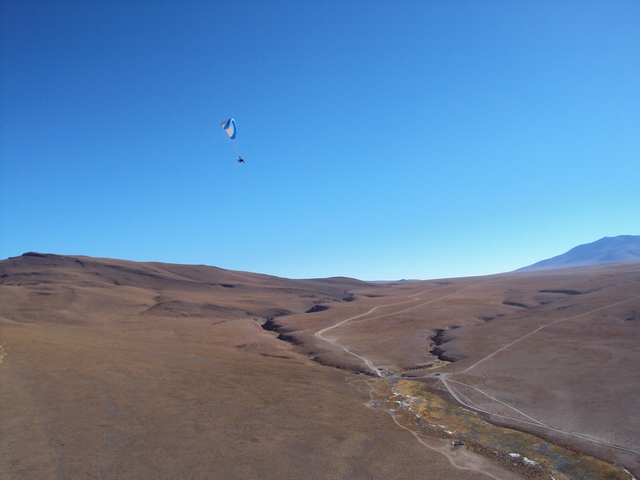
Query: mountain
(623,248)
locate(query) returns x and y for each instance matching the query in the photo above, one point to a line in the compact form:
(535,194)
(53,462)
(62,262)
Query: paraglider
(230,128)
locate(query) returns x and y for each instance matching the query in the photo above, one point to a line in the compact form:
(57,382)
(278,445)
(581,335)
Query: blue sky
(383,140)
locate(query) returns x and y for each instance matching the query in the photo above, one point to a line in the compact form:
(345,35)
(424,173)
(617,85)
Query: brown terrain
(117,369)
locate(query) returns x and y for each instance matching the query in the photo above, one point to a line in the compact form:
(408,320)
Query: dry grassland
(116,369)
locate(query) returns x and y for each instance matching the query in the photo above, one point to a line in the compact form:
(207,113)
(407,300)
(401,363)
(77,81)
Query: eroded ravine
(365,316)
(431,420)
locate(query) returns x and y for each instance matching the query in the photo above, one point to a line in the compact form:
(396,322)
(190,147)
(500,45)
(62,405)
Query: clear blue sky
(383,140)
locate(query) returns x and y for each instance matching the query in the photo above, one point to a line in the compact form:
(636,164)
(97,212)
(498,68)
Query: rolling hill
(118,369)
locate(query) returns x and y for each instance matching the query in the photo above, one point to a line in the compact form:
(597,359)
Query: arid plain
(117,369)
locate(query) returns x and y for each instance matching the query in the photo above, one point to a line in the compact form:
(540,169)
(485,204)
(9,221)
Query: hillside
(623,248)
(119,369)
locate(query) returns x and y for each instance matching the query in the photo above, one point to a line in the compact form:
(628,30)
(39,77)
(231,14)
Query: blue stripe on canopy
(229,126)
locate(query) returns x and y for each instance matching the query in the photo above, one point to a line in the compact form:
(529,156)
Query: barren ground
(114,369)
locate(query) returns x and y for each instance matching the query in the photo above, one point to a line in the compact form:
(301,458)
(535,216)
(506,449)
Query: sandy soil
(121,370)
(128,370)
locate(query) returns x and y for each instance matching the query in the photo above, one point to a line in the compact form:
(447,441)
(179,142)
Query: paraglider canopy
(229,126)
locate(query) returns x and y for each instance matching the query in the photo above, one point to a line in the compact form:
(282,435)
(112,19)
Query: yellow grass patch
(440,364)
(522,450)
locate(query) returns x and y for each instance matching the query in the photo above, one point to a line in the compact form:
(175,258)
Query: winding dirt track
(449,383)
(444,378)
(461,459)
(377,370)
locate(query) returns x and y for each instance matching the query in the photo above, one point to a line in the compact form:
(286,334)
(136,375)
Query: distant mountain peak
(623,248)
